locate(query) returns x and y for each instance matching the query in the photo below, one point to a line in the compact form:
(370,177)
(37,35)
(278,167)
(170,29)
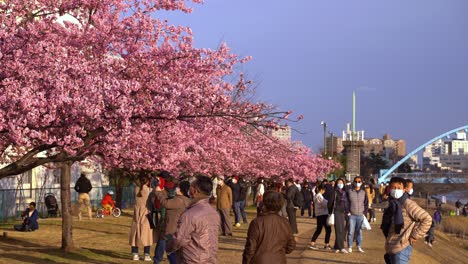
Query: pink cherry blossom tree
(105,78)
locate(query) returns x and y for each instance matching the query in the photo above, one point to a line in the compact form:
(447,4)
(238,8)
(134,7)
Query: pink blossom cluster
(113,81)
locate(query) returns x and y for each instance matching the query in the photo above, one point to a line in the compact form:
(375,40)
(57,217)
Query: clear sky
(407,61)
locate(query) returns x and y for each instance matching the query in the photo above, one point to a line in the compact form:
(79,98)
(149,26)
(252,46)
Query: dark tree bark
(67,221)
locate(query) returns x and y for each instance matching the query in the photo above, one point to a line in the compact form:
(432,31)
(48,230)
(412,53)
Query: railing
(13,202)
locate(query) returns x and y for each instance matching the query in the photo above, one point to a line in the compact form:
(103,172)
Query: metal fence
(13,202)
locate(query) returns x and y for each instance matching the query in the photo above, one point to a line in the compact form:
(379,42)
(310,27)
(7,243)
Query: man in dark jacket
(307,193)
(236,199)
(83,187)
(291,193)
(243,198)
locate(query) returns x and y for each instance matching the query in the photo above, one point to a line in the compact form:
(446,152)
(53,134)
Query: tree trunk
(67,221)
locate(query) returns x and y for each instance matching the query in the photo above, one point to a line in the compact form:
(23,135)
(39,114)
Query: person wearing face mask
(403,222)
(358,204)
(409,187)
(339,206)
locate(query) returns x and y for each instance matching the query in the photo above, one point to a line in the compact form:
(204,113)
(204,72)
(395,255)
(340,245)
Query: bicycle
(101,212)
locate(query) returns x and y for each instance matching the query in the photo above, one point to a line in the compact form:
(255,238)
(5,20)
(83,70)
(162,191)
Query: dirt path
(106,241)
(447,249)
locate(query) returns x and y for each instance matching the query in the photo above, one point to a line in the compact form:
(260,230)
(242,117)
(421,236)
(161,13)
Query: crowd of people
(195,211)
(184,217)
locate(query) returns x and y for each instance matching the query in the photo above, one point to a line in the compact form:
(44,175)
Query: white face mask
(340,185)
(410,192)
(358,184)
(396,193)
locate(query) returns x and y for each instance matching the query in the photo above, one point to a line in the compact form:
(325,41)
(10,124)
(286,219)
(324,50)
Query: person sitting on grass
(107,202)
(29,216)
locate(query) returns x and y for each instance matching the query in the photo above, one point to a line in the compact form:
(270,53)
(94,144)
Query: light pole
(324,137)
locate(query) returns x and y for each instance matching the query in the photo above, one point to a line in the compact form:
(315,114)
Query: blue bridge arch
(394,167)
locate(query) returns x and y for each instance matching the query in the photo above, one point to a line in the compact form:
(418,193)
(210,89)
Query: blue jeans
(355,224)
(402,257)
(242,211)
(239,210)
(159,253)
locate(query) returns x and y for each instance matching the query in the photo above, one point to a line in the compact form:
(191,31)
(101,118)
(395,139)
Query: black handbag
(152,219)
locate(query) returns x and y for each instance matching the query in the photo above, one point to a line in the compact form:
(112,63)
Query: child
(107,202)
(403,223)
(430,235)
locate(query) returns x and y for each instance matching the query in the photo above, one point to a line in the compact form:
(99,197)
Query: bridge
(387,174)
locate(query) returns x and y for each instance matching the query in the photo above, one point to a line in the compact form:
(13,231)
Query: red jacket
(108,200)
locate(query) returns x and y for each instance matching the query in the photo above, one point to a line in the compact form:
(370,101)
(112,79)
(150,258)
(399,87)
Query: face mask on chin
(397,194)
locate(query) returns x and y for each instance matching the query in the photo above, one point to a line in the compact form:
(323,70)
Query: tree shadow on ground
(11,245)
(112,254)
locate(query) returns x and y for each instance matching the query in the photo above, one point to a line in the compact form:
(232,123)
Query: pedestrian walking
(430,235)
(244,189)
(358,206)
(307,194)
(370,197)
(437,217)
(341,209)
(321,212)
(236,199)
(140,232)
(403,223)
(223,205)
(83,187)
(196,238)
(260,190)
(269,237)
(174,208)
(291,194)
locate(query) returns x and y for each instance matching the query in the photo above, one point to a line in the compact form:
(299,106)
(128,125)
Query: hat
(221,178)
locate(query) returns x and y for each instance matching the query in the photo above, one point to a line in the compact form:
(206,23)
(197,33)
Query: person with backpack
(321,211)
(294,201)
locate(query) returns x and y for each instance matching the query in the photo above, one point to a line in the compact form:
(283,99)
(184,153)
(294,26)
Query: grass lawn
(100,241)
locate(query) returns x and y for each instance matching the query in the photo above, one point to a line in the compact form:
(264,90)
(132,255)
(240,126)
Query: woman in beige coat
(141,233)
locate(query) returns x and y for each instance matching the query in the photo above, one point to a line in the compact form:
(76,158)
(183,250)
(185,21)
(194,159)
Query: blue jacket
(31,221)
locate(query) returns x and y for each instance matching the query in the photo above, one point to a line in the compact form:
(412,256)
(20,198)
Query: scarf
(393,214)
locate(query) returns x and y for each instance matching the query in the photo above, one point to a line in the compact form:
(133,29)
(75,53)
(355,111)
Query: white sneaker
(350,249)
(360,250)
(135,257)
(147,258)
(344,251)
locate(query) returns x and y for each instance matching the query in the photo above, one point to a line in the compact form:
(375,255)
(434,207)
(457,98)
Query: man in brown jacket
(196,239)
(174,208)
(403,223)
(224,204)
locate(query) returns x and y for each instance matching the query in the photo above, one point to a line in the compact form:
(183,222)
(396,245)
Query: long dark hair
(142,180)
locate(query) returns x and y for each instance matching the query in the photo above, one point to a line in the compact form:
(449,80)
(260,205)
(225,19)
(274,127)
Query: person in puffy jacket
(108,202)
(270,236)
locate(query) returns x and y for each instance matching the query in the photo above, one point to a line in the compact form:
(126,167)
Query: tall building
(391,149)
(449,154)
(282,133)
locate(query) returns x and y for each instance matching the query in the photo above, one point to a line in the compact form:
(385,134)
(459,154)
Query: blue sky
(407,61)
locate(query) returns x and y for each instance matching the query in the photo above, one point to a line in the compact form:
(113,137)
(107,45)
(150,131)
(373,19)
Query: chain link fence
(13,202)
